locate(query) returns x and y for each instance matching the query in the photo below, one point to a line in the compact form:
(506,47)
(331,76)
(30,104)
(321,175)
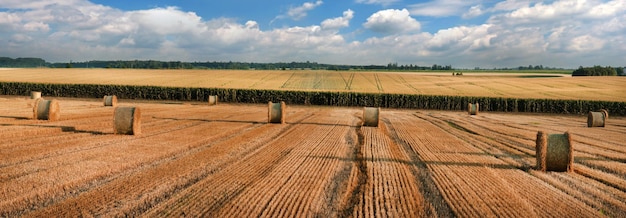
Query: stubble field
(226,161)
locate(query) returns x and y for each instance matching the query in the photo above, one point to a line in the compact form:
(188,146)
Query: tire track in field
(435,205)
(379,84)
(390,189)
(407,84)
(348,82)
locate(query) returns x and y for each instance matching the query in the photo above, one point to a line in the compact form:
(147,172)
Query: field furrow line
(387,189)
(433,202)
(610,199)
(327,168)
(221,184)
(586,195)
(597,137)
(515,156)
(291,204)
(480,177)
(509,137)
(184,169)
(53,148)
(602,177)
(99,173)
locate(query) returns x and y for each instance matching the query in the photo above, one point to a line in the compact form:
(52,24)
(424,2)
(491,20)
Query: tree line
(598,71)
(22,62)
(153,64)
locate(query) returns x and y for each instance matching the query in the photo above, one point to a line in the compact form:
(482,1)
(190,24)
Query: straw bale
(127,121)
(472,109)
(212,100)
(596,119)
(35,95)
(110,100)
(276,112)
(371,116)
(554,152)
(46,110)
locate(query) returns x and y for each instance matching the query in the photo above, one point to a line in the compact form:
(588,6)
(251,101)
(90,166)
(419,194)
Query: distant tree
(595,71)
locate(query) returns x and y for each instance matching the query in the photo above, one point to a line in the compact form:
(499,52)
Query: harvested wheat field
(193,160)
(496,84)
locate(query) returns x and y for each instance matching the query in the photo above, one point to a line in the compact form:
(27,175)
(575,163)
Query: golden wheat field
(507,85)
(226,161)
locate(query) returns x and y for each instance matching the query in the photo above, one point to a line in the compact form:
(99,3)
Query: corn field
(351,99)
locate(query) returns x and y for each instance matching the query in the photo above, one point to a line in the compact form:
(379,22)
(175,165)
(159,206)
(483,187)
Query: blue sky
(462,33)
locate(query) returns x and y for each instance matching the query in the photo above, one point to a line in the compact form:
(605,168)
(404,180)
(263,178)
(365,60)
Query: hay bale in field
(46,110)
(472,109)
(606,114)
(35,95)
(212,100)
(597,119)
(540,150)
(554,152)
(371,116)
(110,100)
(127,121)
(276,112)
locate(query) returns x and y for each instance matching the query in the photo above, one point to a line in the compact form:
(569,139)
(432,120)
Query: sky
(461,33)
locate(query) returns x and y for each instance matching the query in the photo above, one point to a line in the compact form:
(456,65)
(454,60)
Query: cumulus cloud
(559,33)
(392,21)
(339,22)
(510,5)
(300,12)
(442,8)
(474,11)
(377,2)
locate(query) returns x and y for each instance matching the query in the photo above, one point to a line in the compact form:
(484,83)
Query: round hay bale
(127,121)
(596,119)
(276,112)
(212,100)
(35,95)
(472,109)
(606,114)
(541,149)
(371,116)
(554,152)
(46,110)
(110,100)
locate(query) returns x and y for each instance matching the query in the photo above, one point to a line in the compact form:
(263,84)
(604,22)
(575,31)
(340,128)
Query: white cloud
(377,2)
(510,5)
(338,22)
(585,43)
(39,4)
(392,21)
(300,12)
(559,33)
(442,8)
(36,26)
(474,11)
